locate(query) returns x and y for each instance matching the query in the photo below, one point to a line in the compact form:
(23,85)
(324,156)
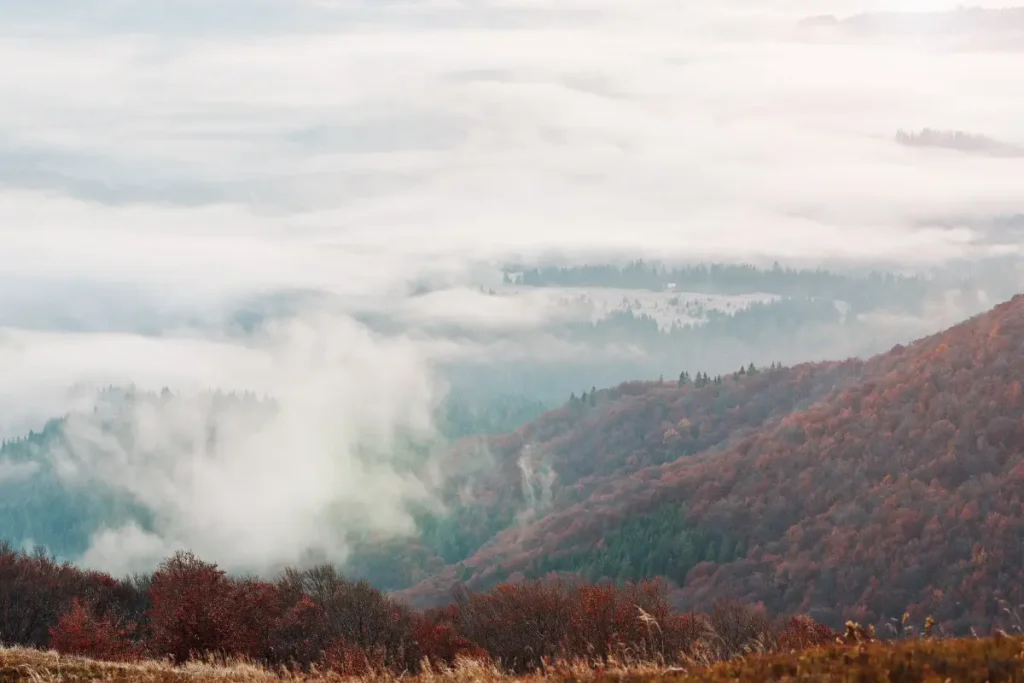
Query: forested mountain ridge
(586,449)
(496,483)
(900,488)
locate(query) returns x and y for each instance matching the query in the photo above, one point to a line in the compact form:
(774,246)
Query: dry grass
(22,664)
(920,660)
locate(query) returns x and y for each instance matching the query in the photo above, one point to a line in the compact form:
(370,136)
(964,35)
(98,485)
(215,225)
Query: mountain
(855,490)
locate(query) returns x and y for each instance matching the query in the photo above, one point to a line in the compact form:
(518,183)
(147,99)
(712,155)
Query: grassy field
(979,659)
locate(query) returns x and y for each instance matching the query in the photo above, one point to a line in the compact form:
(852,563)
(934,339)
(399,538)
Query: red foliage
(316,617)
(522,625)
(80,632)
(441,644)
(35,591)
(802,633)
(191,609)
(258,611)
(300,634)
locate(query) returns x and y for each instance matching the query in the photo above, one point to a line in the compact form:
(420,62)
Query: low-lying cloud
(163,166)
(254,484)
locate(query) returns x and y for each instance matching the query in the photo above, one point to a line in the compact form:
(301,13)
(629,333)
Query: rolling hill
(854,490)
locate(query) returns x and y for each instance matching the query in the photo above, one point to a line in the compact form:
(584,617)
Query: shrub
(802,632)
(741,629)
(80,632)
(436,639)
(190,613)
(317,618)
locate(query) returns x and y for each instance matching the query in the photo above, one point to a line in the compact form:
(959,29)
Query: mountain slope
(900,487)
(498,483)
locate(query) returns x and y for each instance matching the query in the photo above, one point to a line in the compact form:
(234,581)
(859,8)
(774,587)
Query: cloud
(169,164)
(255,484)
(16,471)
(425,131)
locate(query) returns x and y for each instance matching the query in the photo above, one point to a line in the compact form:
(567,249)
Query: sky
(161,161)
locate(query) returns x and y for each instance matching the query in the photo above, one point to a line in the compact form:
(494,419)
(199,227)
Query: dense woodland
(892,485)
(189,609)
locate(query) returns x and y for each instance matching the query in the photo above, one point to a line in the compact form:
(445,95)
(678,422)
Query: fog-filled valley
(118,475)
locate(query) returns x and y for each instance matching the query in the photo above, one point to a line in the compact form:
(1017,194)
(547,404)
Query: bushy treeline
(317,618)
(729,278)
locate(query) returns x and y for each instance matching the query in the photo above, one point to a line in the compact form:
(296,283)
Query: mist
(312,201)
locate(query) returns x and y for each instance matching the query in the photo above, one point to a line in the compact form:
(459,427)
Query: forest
(858,490)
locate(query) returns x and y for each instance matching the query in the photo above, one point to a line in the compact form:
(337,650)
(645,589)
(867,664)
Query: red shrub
(803,632)
(79,632)
(684,632)
(330,613)
(191,612)
(257,612)
(520,625)
(609,620)
(440,643)
(317,617)
(741,629)
(301,635)
(524,624)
